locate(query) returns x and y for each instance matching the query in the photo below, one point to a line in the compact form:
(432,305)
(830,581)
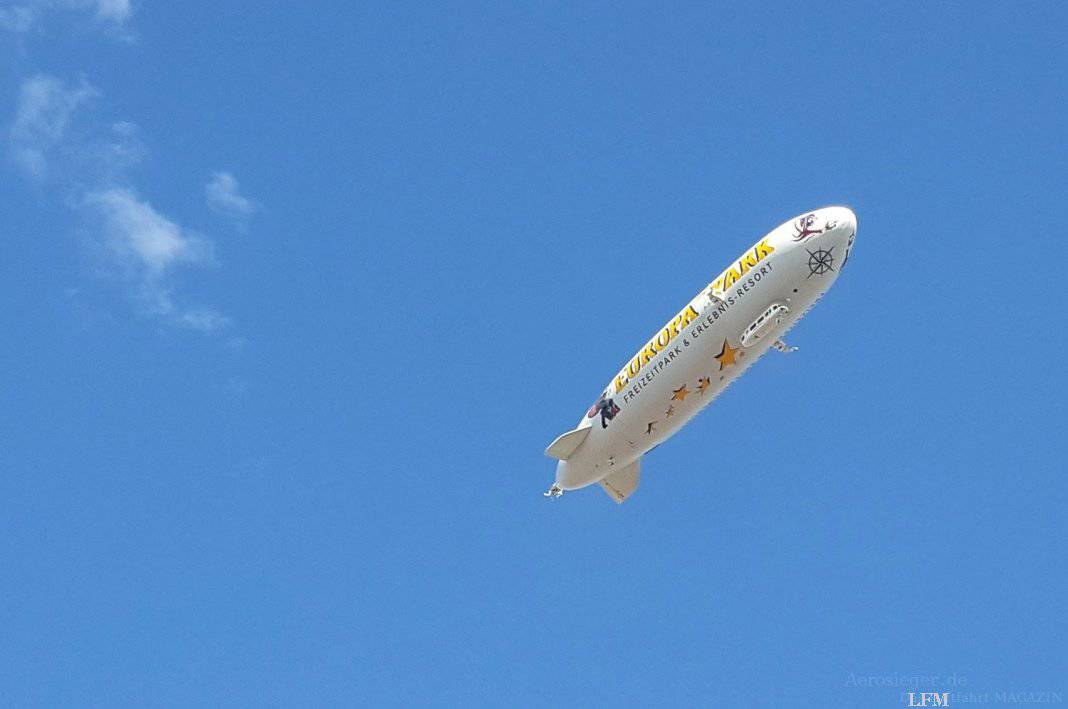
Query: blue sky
(297,295)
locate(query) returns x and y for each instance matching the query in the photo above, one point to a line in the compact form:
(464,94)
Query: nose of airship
(841,226)
(841,219)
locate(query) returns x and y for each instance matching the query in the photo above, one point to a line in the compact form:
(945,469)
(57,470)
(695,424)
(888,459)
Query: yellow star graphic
(680,394)
(703,384)
(670,411)
(726,355)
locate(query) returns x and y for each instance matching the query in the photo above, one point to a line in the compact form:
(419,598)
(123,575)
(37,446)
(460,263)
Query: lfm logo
(928,699)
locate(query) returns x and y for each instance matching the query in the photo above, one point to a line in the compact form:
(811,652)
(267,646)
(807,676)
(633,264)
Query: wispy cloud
(28,14)
(109,152)
(59,144)
(18,18)
(42,118)
(204,320)
(143,238)
(224,196)
(117,11)
(58,141)
(149,247)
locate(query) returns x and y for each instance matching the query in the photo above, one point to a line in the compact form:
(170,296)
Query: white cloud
(42,117)
(224,196)
(58,144)
(142,237)
(149,247)
(204,320)
(117,11)
(25,16)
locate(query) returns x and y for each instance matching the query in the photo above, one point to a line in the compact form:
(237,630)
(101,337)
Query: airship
(713,340)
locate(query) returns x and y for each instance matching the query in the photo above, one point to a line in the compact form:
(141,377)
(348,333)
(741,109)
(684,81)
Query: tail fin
(620,484)
(567,443)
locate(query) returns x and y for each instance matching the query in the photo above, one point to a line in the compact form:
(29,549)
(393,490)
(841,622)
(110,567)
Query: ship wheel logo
(820,261)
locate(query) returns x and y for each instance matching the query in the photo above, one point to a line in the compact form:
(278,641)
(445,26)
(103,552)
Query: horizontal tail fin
(620,484)
(567,443)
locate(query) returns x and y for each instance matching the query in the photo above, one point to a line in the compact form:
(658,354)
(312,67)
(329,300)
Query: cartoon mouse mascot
(606,407)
